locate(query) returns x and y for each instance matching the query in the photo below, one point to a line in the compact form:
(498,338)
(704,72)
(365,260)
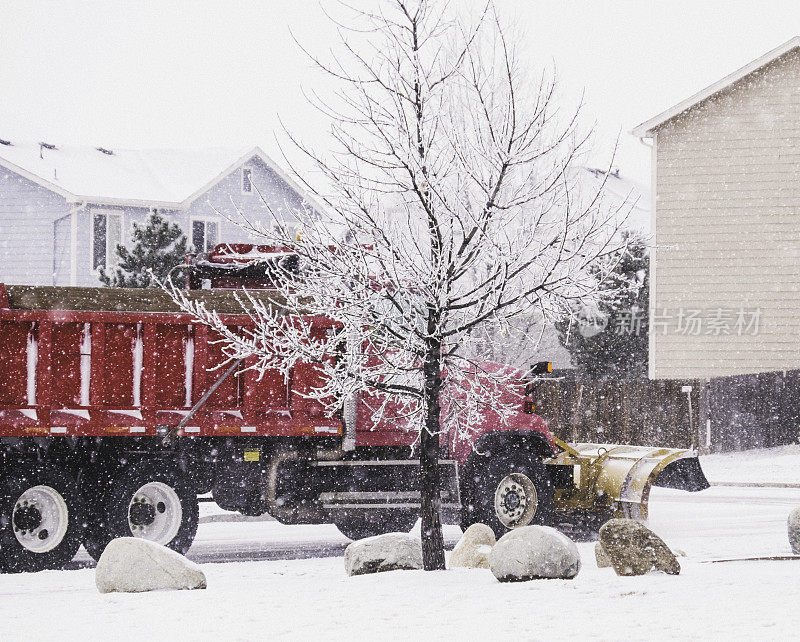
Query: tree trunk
(431,533)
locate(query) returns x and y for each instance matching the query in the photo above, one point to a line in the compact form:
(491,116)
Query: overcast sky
(193,74)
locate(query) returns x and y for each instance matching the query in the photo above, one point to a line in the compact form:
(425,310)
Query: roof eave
(261,155)
(124,202)
(290,181)
(173,205)
(647,128)
(35,178)
(77,198)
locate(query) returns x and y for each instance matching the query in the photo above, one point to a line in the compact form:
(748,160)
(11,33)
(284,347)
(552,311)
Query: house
(725,272)
(64,209)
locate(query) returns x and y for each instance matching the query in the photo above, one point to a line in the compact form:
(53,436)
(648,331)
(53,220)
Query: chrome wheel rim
(515,500)
(155,513)
(40,519)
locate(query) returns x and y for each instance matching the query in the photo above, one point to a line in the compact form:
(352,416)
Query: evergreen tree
(158,247)
(611,341)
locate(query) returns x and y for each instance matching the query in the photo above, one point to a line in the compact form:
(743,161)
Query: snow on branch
(453,205)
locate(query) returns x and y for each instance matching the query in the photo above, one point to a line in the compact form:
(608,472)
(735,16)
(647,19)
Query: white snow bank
(311,598)
(764,465)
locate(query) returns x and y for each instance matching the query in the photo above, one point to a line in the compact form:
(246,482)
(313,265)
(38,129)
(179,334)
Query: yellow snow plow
(604,480)
(617,479)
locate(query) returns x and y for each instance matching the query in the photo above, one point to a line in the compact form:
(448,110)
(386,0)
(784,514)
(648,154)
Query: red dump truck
(116,413)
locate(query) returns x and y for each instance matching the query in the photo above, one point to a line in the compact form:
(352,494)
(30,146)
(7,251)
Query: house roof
(645,130)
(149,177)
(620,191)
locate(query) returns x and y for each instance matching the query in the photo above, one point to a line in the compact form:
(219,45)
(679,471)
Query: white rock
(534,552)
(794,531)
(389,552)
(135,565)
(472,550)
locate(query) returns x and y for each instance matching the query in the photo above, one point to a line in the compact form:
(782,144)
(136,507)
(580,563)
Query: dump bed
(104,361)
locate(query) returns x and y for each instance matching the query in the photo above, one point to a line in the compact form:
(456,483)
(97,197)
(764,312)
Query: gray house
(63,210)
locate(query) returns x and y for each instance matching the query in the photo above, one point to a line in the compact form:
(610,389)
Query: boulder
(534,552)
(635,550)
(794,530)
(389,552)
(135,565)
(472,550)
(603,560)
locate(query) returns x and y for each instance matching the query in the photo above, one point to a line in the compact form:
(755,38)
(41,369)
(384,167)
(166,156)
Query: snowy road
(700,524)
(293,586)
(260,540)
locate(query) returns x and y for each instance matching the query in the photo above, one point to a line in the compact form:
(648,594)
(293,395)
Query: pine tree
(611,341)
(158,247)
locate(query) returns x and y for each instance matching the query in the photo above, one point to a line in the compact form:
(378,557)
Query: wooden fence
(732,413)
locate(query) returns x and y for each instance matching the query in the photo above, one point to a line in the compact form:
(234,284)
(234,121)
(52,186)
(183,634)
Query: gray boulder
(794,530)
(603,560)
(135,565)
(534,552)
(389,552)
(635,550)
(472,550)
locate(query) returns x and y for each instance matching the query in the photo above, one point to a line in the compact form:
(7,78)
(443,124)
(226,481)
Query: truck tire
(41,518)
(151,500)
(367,523)
(512,490)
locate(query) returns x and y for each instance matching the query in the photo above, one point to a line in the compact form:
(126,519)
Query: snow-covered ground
(768,465)
(289,595)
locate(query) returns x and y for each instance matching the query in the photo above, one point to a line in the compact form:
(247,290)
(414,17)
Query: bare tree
(450,211)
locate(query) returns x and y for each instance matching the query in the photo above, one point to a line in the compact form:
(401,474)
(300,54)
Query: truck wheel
(513,490)
(41,518)
(367,523)
(147,500)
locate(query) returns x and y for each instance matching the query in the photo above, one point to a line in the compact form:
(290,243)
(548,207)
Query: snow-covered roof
(620,191)
(645,130)
(152,177)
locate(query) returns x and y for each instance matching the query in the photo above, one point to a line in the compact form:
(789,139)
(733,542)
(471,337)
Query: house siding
(86,275)
(727,227)
(34,251)
(27,214)
(225,200)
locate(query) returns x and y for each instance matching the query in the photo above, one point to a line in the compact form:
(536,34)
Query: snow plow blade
(617,479)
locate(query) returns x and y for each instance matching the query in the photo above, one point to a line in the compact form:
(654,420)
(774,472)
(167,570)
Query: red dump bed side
(103,373)
(67,370)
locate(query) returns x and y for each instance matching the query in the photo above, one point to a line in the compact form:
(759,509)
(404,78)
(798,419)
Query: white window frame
(205,220)
(109,251)
(249,168)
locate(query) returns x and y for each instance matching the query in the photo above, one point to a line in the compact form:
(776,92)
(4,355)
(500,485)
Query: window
(247,180)
(106,235)
(204,235)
